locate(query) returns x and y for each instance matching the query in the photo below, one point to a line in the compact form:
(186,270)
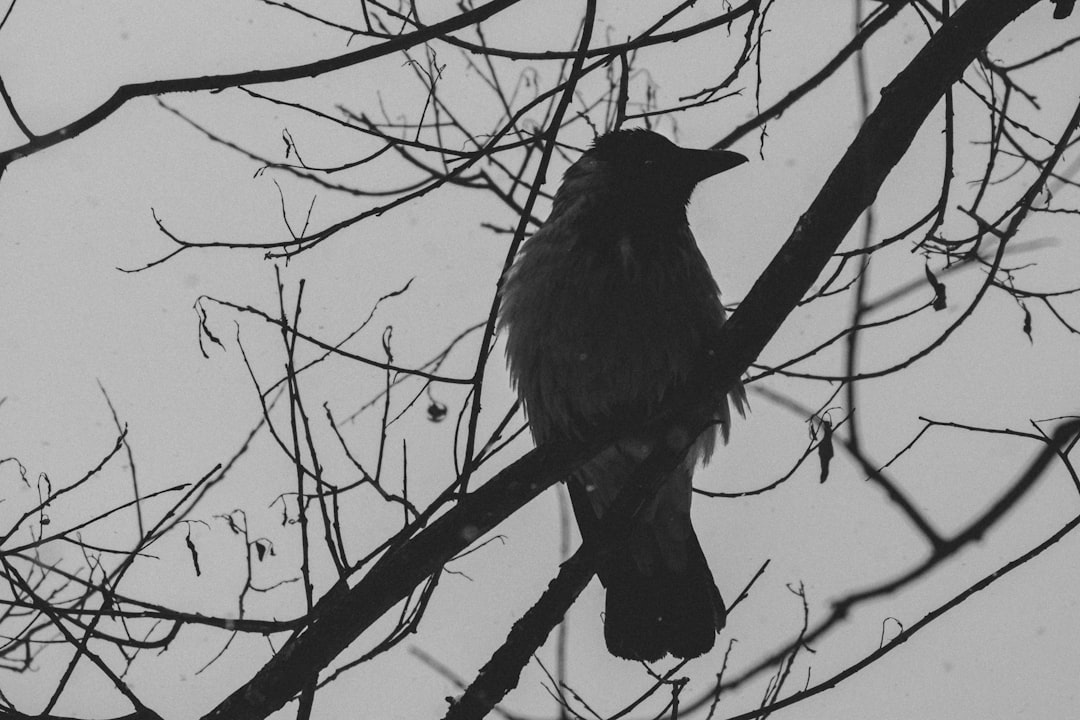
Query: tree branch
(343,613)
(251,77)
(855,181)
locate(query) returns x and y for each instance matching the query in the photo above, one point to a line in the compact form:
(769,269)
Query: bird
(610,314)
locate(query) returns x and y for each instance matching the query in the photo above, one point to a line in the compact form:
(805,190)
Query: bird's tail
(661,597)
(677,611)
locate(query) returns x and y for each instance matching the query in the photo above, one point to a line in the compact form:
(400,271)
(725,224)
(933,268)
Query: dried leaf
(825,449)
(939,290)
(194,552)
(436,411)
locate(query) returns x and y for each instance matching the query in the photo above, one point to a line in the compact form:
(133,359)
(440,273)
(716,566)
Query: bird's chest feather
(604,327)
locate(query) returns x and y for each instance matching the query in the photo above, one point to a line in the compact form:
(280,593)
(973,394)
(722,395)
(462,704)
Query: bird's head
(643,168)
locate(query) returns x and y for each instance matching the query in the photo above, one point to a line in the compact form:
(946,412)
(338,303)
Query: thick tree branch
(854,183)
(344,613)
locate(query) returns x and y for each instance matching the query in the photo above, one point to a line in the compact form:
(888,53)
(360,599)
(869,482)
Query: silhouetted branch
(252,77)
(1064,436)
(854,182)
(907,633)
(343,613)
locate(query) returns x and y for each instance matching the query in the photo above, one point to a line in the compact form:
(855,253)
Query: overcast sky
(71,323)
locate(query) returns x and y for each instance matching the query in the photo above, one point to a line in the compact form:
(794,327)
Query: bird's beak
(701,164)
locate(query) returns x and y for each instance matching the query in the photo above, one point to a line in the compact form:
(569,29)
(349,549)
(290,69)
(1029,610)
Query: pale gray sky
(71,215)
